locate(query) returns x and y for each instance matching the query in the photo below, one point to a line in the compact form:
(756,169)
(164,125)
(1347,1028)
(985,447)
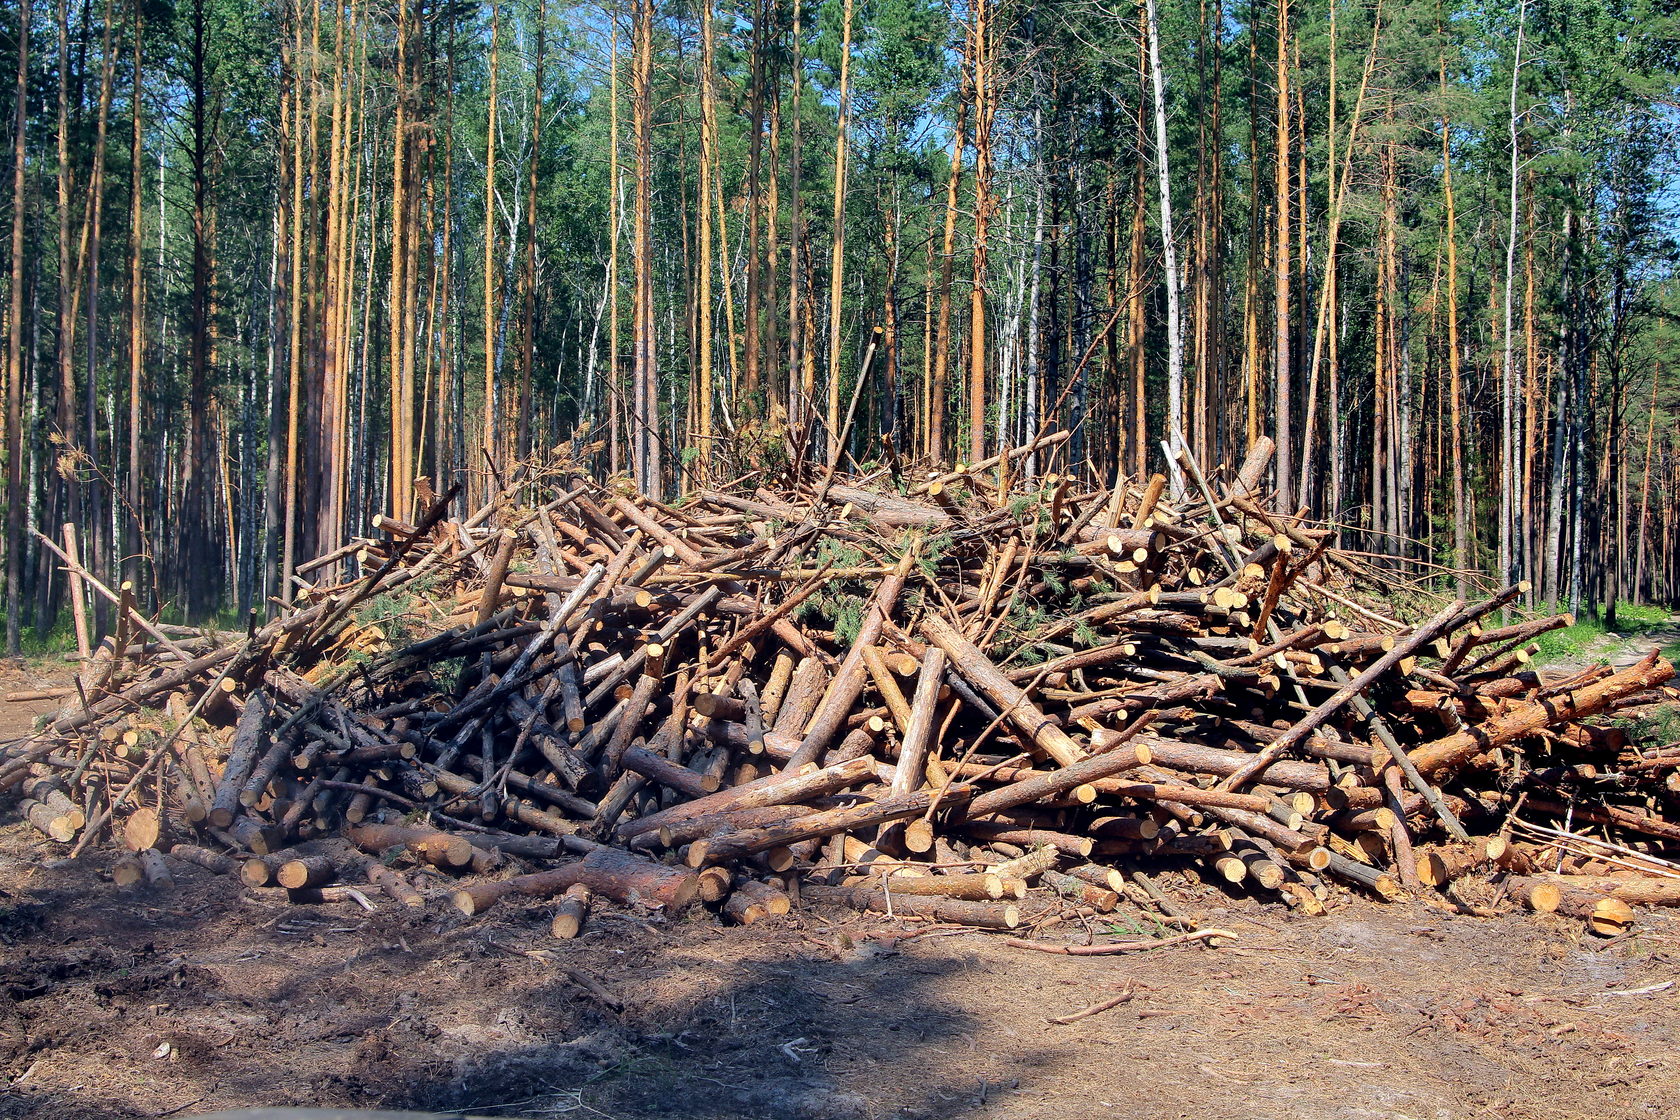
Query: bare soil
(119,1004)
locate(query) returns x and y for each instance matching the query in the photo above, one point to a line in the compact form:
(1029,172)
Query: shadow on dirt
(118,1004)
(796,1038)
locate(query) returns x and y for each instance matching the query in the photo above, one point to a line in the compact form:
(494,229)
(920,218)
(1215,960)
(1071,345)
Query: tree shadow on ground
(264,1004)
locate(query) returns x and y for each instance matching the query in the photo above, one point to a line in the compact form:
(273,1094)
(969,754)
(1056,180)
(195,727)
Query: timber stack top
(974,697)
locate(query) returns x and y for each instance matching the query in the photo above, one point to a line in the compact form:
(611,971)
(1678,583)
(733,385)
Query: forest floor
(125,1004)
(1641,630)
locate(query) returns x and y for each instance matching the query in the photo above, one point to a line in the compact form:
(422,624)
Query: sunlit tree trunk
(1282,373)
(985,109)
(837,247)
(645,420)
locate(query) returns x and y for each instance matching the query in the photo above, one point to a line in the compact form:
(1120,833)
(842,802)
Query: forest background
(267,264)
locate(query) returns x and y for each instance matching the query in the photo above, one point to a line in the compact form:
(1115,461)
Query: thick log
(242,756)
(440,849)
(1645,890)
(847,685)
(1452,752)
(775,789)
(983,886)
(570,914)
(743,842)
(985,915)
(605,871)
(919,730)
(306,871)
(394,885)
(1047,784)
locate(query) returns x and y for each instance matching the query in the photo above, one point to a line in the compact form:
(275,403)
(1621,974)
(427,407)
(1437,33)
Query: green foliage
(395,612)
(1659,728)
(841,602)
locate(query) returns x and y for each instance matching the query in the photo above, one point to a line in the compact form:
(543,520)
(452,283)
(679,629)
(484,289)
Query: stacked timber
(976,697)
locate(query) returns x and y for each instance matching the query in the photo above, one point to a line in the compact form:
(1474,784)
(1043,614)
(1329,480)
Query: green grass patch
(1591,636)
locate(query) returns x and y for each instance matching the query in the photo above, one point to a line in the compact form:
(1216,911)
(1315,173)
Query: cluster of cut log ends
(1042,698)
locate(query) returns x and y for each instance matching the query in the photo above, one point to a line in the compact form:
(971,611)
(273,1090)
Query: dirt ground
(132,1003)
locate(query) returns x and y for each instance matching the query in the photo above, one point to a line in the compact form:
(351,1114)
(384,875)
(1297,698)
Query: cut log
(605,871)
(985,915)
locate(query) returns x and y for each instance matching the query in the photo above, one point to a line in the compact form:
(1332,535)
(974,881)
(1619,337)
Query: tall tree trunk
(134,521)
(800,407)
(1031,404)
(939,391)
(68,499)
(704,311)
(1509,514)
(1461,519)
(645,442)
(1282,372)
(529,317)
(1169,253)
(488,439)
(1638,591)
(98,551)
(401,462)
(14,350)
(837,245)
(750,380)
(985,108)
(199,566)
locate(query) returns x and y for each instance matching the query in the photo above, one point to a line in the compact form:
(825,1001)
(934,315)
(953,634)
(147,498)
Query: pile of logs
(971,697)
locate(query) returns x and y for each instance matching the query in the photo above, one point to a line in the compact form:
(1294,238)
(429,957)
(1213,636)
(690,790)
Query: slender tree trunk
(97,542)
(615,397)
(800,407)
(1531,402)
(488,440)
(939,392)
(69,493)
(14,351)
(528,361)
(1324,328)
(1169,252)
(750,380)
(704,310)
(646,419)
(1031,405)
(1638,590)
(1281,370)
(985,108)
(402,397)
(1461,519)
(294,317)
(1509,513)
(837,247)
(134,521)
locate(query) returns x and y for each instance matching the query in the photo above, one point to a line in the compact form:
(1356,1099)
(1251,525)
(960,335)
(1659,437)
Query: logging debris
(972,697)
